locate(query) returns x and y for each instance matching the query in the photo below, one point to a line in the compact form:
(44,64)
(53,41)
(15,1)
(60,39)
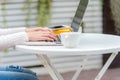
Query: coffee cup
(70,39)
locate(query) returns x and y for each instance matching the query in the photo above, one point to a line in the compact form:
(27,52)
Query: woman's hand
(40,34)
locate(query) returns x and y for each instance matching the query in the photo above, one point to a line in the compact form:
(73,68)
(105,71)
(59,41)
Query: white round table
(90,44)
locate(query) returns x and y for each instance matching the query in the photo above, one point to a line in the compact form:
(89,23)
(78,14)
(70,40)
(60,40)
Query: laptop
(75,24)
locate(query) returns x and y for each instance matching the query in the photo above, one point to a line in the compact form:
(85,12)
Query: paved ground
(111,74)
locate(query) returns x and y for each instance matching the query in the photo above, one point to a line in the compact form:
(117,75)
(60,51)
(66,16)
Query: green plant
(115,12)
(3,8)
(27,7)
(43,12)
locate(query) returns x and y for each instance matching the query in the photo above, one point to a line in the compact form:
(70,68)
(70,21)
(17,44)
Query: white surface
(43,43)
(90,43)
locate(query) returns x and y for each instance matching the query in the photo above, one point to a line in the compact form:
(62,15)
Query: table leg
(105,67)
(49,66)
(80,67)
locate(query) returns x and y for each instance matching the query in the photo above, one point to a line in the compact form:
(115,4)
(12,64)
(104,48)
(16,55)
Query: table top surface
(90,43)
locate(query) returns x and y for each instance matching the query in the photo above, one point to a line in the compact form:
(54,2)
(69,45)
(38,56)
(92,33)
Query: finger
(50,36)
(46,39)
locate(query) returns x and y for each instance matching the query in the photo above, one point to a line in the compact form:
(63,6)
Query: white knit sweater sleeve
(11,30)
(10,40)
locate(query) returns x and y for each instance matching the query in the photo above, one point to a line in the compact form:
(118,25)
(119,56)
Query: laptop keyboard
(43,43)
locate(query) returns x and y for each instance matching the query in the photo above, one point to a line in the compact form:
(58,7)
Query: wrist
(26,36)
(26,30)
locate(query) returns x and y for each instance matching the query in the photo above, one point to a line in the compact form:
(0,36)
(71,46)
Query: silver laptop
(75,24)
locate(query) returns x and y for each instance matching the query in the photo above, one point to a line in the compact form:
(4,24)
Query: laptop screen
(77,20)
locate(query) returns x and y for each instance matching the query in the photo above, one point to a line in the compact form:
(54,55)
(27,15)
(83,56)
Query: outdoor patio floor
(111,74)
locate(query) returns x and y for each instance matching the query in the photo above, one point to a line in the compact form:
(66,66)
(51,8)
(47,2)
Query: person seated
(15,36)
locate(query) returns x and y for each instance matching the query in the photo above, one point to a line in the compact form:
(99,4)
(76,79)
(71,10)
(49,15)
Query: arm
(7,41)
(11,30)
(10,40)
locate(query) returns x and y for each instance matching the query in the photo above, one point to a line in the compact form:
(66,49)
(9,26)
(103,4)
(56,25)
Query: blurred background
(102,16)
